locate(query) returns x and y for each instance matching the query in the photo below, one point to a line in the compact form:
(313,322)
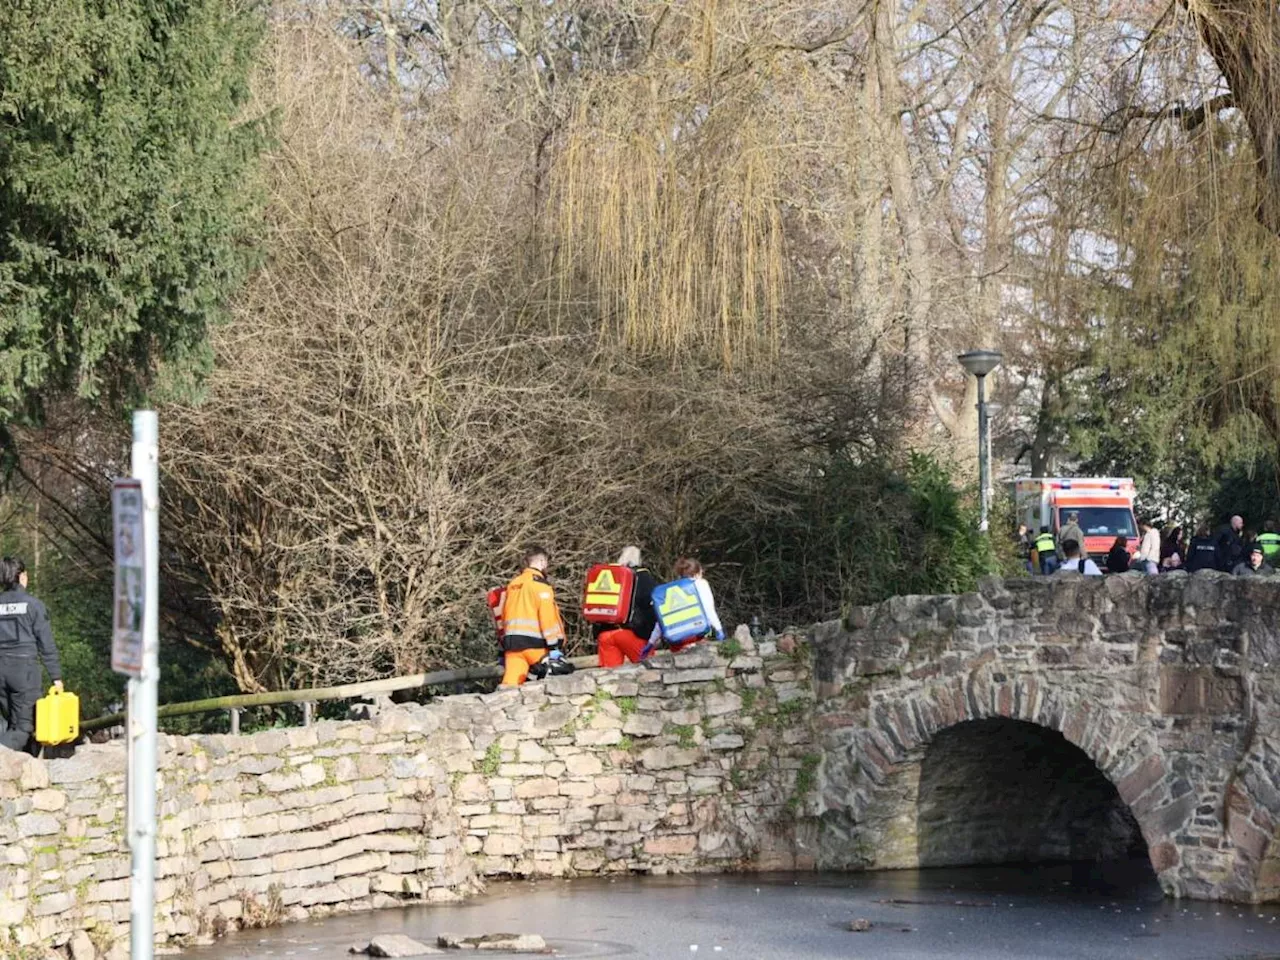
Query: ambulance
(1105,506)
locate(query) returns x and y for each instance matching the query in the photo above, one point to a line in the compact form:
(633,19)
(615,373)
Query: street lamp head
(980,362)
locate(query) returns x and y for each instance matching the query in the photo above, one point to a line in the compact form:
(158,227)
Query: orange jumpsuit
(531,625)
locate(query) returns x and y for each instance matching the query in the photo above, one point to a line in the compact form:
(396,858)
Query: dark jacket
(643,617)
(1117,560)
(25,630)
(1230,549)
(1244,570)
(1202,554)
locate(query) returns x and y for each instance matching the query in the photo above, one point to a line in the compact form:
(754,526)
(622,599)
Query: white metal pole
(984,465)
(143,698)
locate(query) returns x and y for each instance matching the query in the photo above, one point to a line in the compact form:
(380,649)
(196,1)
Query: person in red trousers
(635,639)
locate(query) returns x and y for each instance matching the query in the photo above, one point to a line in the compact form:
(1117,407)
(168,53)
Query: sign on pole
(129,599)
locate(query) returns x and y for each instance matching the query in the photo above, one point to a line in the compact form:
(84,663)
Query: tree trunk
(1243,37)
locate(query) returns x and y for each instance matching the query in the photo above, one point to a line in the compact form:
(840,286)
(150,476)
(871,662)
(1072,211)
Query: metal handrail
(345,691)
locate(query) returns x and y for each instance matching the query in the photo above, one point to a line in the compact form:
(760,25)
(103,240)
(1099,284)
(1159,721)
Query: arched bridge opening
(1003,791)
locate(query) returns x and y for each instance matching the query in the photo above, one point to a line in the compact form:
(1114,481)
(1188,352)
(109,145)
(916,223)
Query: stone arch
(900,725)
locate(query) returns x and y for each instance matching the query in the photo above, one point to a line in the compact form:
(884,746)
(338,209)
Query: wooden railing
(309,698)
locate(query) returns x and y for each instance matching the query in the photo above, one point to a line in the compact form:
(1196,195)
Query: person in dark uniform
(26,640)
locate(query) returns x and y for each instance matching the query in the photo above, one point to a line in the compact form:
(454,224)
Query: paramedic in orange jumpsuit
(635,639)
(532,628)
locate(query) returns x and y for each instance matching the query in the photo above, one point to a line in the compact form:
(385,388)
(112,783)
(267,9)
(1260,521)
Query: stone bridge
(1035,720)
(1058,719)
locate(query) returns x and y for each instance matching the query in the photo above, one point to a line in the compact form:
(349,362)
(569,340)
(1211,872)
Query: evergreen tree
(127,199)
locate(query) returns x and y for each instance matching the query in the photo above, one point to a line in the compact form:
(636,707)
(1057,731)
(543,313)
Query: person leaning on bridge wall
(1229,544)
(533,631)
(692,568)
(1046,551)
(1075,563)
(1173,552)
(635,639)
(1071,531)
(1269,540)
(1147,559)
(1202,551)
(26,640)
(1118,555)
(1256,564)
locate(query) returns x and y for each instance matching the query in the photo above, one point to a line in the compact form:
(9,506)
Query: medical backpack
(606,598)
(680,611)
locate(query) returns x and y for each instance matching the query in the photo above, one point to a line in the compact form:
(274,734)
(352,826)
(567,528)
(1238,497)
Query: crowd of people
(1230,549)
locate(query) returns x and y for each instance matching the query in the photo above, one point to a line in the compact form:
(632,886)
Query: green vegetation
(806,780)
(816,450)
(626,706)
(127,191)
(492,759)
(684,733)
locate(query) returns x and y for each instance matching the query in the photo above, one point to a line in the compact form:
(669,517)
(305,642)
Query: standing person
(635,639)
(1071,531)
(532,630)
(1075,563)
(1172,551)
(1118,555)
(1270,542)
(1022,543)
(1229,545)
(26,640)
(691,568)
(1202,551)
(1046,551)
(1256,564)
(1148,555)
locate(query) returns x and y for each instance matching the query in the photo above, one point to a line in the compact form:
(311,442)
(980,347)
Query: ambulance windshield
(1101,521)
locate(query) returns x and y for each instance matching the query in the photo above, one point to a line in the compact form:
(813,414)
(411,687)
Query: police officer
(1269,540)
(1047,550)
(26,639)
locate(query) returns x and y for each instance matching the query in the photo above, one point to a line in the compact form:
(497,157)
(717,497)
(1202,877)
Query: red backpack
(496,598)
(606,599)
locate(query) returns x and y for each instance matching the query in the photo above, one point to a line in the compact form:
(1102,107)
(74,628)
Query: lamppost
(980,363)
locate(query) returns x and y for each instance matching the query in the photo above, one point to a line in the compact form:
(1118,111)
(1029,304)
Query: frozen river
(1035,913)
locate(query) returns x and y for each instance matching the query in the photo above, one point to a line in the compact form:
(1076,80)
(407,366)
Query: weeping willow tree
(1243,37)
(1191,364)
(674,179)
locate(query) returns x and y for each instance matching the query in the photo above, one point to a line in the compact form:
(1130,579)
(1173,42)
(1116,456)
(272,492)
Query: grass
(492,759)
(683,733)
(731,648)
(806,780)
(626,705)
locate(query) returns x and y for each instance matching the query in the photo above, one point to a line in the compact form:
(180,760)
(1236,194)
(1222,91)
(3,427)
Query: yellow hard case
(57,718)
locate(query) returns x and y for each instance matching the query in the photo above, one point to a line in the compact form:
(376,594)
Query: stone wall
(701,762)
(906,738)
(1167,684)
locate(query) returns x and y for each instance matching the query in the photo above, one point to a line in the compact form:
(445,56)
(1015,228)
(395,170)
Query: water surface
(1110,912)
